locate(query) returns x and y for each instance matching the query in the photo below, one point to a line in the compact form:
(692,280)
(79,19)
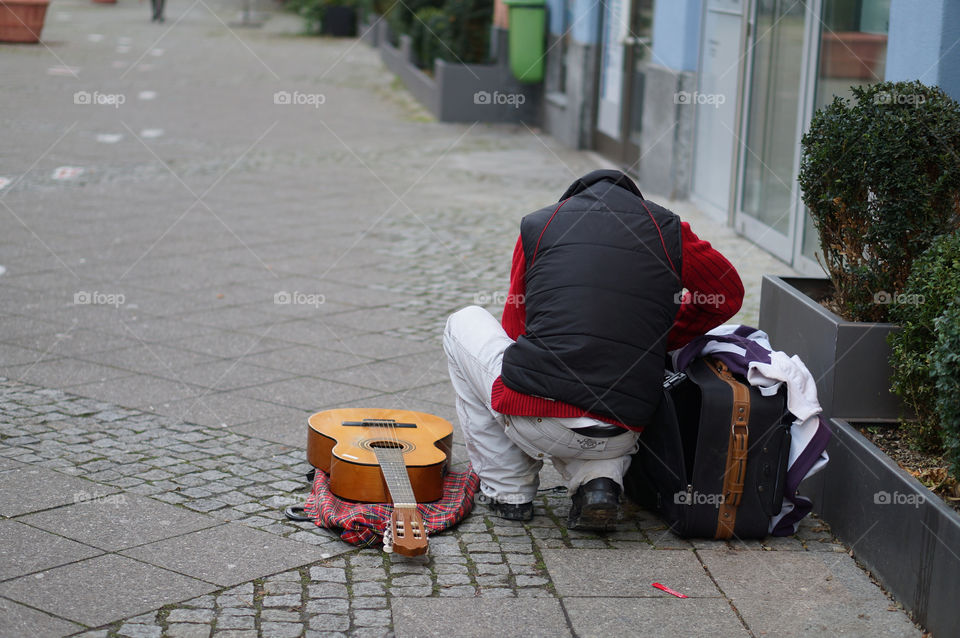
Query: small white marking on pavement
(62,69)
(145,67)
(123,48)
(95,37)
(124,40)
(150,133)
(67,172)
(63,16)
(119,64)
(109,138)
(4,182)
(157,52)
(146,95)
(3,269)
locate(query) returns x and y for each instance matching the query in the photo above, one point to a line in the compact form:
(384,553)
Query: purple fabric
(737,363)
(787,526)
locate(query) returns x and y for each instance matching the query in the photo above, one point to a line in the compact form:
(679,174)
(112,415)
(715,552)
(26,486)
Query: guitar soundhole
(386,444)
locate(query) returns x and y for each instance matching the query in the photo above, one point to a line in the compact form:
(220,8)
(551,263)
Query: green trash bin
(528,20)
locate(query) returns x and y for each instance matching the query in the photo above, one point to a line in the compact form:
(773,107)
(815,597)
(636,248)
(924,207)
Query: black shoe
(509,511)
(596,506)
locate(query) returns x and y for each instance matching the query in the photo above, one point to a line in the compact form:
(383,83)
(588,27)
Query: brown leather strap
(736,467)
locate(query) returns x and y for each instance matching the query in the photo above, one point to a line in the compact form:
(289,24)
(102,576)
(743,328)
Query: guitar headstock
(405,532)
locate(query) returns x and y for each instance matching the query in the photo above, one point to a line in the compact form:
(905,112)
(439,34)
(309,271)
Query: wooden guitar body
(343,443)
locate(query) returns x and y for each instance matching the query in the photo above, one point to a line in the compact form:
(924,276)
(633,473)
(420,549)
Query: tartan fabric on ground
(363,523)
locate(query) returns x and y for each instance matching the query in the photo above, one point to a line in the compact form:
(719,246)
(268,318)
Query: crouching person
(574,370)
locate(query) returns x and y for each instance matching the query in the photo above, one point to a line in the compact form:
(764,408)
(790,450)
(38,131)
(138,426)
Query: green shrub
(946,372)
(313,12)
(430,33)
(401,16)
(934,283)
(452,30)
(881,178)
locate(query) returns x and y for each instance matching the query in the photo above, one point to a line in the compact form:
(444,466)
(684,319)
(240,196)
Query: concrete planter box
(368,28)
(462,92)
(849,360)
(905,535)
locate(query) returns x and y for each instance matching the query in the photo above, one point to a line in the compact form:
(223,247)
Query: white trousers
(507,452)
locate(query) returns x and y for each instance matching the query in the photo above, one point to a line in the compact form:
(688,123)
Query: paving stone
(284,600)
(234,621)
(328,574)
(17,621)
(81,592)
(327,590)
(838,598)
(279,615)
(443,617)
(24,549)
(329,622)
(119,521)
(327,606)
(46,489)
(226,555)
(184,630)
(132,630)
(190,615)
(666,617)
(281,629)
(678,569)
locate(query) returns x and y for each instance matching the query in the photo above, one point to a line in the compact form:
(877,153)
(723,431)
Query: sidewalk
(190,269)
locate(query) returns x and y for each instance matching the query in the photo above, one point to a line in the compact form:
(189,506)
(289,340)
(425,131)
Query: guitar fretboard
(395,473)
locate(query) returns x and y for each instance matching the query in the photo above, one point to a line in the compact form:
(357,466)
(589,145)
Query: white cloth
(507,452)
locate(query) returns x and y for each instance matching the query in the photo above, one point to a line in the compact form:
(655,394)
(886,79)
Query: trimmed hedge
(945,369)
(881,178)
(933,284)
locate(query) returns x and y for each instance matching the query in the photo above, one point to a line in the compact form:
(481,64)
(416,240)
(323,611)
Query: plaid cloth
(363,523)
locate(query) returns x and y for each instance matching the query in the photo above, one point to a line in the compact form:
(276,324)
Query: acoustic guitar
(377,455)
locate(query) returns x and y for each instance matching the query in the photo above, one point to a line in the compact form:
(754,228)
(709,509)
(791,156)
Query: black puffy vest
(602,291)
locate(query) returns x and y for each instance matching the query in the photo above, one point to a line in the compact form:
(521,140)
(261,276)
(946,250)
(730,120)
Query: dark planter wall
(465,92)
(849,360)
(906,536)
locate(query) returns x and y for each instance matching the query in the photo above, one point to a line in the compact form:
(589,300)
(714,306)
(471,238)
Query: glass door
(769,155)
(850,50)
(624,50)
(716,120)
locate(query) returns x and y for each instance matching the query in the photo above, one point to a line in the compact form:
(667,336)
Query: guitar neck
(395,474)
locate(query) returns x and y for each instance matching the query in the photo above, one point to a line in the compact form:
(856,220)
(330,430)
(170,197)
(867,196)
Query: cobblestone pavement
(185,276)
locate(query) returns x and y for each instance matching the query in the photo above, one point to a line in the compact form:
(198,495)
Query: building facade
(708,99)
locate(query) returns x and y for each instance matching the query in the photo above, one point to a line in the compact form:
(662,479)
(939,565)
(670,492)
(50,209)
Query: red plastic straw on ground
(668,590)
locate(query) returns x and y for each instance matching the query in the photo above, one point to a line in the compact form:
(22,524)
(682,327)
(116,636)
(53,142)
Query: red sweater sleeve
(714,290)
(514,310)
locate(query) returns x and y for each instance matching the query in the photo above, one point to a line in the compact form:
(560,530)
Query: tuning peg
(388,540)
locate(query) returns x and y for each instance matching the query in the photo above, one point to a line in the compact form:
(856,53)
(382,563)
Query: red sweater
(714,294)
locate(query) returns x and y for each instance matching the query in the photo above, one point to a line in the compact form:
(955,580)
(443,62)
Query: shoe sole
(601,517)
